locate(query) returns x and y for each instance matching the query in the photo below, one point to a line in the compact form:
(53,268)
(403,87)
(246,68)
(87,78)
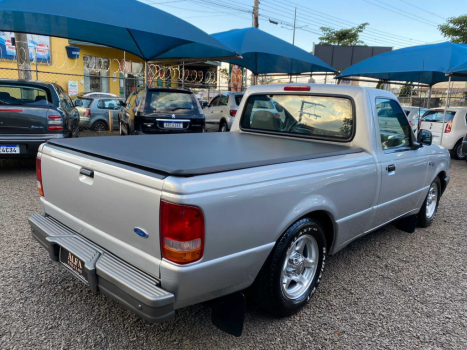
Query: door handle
(391,168)
(87,172)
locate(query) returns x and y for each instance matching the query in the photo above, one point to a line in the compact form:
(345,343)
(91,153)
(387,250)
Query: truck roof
(203,153)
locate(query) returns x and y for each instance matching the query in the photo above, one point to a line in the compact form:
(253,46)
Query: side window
(107,104)
(224,100)
(215,101)
(394,127)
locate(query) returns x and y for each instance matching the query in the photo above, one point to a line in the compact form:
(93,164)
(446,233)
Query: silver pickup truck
(162,222)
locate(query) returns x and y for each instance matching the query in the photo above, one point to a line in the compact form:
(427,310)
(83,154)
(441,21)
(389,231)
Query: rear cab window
(310,116)
(18,95)
(170,102)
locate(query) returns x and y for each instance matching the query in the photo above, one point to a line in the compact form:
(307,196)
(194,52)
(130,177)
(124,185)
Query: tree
(406,90)
(455,29)
(345,37)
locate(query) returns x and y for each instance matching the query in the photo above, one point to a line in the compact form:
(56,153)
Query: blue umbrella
(428,64)
(128,25)
(262,53)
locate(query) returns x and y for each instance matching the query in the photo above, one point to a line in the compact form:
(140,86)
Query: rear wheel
(100,125)
(456,152)
(224,127)
(430,205)
(293,270)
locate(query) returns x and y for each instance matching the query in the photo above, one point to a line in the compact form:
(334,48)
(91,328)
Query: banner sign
(40,42)
(72,87)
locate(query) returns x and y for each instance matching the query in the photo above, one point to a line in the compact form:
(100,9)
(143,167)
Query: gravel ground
(387,290)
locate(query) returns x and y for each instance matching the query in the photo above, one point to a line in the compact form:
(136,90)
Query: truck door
(212,114)
(403,168)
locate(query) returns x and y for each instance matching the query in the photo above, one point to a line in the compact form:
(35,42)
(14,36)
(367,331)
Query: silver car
(220,113)
(94,112)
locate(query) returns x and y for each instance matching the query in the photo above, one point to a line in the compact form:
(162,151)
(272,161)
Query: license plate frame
(73,264)
(4,148)
(171,125)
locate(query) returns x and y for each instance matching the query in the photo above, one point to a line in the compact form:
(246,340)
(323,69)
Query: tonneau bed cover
(201,154)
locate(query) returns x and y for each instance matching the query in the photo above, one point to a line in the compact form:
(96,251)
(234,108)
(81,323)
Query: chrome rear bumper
(134,289)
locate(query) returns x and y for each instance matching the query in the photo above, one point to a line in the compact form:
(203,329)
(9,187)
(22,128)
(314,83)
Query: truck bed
(200,154)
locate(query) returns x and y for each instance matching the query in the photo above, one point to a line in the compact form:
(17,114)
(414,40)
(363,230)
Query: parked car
(92,94)
(454,129)
(32,113)
(220,113)
(94,112)
(160,223)
(413,116)
(161,110)
(464,146)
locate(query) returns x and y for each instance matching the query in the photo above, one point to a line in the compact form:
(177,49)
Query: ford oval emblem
(140,232)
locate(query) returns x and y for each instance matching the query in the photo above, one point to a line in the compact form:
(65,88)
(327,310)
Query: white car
(413,116)
(454,129)
(220,113)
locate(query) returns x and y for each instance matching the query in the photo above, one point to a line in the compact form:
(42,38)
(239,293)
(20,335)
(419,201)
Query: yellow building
(98,68)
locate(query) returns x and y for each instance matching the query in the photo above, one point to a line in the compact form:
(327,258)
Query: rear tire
(430,205)
(290,276)
(456,152)
(223,127)
(100,125)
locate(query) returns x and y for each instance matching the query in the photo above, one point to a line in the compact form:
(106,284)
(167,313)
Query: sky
(394,23)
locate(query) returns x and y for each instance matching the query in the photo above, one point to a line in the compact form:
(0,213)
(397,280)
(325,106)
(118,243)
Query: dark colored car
(161,111)
(32,113)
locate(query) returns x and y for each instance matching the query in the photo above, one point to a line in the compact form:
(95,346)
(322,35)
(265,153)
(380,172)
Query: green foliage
(406,91)
(455,29)
(380,85)
(224,73)
(344,37)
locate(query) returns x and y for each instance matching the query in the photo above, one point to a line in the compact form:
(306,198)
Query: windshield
(169,101)
(438,116)
(23,95)
(319,116)
(83,102)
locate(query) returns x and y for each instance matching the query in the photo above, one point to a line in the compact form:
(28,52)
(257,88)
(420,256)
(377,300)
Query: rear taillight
(40,188)
(87,113)
(54,120)
(233,112)
(410,123)
(448,128)
(181,232)
(55,128)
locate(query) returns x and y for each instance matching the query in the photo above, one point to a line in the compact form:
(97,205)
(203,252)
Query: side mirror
(425,137)
(204,104)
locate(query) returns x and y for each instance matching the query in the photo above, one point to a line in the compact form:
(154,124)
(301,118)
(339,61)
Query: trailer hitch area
(228,313)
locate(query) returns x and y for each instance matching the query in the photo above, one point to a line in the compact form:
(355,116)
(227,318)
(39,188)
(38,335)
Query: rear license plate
(173,125)
(9,149)
(73,263)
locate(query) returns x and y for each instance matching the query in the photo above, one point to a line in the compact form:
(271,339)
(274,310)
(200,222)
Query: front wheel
(430,205)
(293,270)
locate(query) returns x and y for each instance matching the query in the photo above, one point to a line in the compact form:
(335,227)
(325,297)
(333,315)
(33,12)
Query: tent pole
(429,96)
(146,73)
(445,110)
(183,75)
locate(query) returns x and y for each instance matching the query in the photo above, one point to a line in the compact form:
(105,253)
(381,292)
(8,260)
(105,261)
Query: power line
(393,41)
(346,22)
(420,8)
(400,14)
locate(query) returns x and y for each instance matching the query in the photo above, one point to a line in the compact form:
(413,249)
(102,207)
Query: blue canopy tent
(428,64)
(128,25)
(261,53)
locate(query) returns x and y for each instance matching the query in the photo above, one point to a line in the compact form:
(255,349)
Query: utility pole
(256,14)
(22,56)
(293,39)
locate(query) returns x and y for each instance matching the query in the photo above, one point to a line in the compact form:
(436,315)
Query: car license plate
(73,263)
(173,125)
(9,149)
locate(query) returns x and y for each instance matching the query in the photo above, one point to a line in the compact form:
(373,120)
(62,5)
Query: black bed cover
(201,154)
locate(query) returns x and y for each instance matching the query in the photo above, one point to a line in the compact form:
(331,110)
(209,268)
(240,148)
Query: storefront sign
(72,87)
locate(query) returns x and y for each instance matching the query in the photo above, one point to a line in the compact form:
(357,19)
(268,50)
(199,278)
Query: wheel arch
(442,178)
(223,120)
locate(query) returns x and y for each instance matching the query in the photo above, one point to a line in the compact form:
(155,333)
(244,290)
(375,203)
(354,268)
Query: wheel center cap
(296,264)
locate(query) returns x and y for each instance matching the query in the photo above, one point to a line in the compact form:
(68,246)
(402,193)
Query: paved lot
(388,290)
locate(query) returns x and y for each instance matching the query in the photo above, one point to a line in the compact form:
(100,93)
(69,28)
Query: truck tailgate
(106,207)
